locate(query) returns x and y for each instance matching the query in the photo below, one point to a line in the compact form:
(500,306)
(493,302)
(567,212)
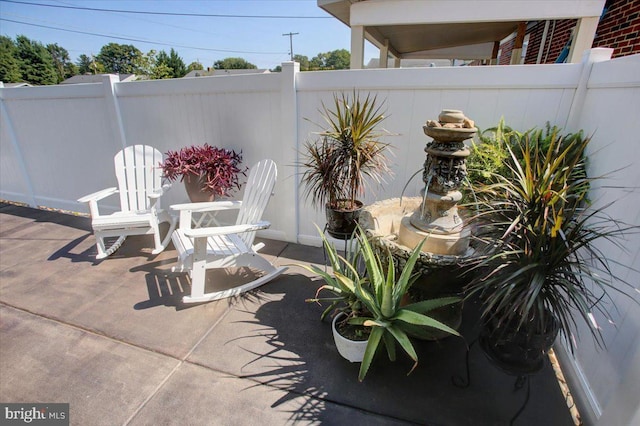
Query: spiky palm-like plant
(372,299)
(542,263)
(347,154)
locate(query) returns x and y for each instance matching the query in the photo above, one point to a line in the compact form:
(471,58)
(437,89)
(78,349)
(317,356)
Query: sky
(253,37)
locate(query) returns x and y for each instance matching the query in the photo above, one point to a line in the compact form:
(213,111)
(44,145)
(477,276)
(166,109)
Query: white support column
(357,47)
(543,41)
(384,55)
(584,34)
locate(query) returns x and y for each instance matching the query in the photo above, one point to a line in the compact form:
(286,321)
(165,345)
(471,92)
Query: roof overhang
(461,29)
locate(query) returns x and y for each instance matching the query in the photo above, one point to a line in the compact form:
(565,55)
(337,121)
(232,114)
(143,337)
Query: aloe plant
(339,282)
(372,299)
(381,295)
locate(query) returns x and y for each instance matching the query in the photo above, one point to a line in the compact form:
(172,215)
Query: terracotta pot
(342,222)
(197,189)
(351,350)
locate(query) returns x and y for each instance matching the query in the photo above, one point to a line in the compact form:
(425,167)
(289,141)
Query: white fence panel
(57,144)
(526,96)
(15,181)
(64,136)
(610,113)
(234,112)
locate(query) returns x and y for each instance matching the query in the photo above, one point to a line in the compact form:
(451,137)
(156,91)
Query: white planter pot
(351,350)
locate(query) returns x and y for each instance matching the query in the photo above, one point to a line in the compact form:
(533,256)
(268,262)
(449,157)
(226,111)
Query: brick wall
(619,29)
(505,52)
(557,38)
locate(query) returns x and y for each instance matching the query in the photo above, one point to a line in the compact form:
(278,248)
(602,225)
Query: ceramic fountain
(398,225)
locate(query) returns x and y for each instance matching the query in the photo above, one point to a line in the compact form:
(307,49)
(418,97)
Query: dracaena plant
(348,154)
(220,167)
(372,299)
(542,262)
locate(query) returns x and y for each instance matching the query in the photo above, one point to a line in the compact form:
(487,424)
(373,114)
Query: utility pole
(291,42)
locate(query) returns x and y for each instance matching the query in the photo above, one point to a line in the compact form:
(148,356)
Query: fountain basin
(382,222)
(445,134)
(450,243)
(440,274)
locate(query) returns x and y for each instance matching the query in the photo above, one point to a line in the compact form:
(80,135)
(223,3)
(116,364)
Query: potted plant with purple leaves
(208,172)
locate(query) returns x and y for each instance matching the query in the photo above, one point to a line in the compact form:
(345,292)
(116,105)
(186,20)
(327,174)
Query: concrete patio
(113,340)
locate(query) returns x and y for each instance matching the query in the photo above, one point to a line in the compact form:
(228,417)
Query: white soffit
(473,51)
(412,28)
(406,12)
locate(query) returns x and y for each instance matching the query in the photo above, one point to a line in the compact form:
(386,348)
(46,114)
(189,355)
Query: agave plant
(542,263)
(372,299)
(389,320)
(340,283)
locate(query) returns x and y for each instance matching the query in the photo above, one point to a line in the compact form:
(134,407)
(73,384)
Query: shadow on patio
(113,339)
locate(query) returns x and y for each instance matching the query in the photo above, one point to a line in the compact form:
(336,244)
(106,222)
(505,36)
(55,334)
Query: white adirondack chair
(140,186)
(200,249)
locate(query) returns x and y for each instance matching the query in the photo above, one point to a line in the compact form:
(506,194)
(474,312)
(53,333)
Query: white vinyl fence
(57,144)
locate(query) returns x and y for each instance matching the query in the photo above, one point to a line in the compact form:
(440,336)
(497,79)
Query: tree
(155,68)
(335,60)
(160,71)
(121,58)
(317,62)
(195,65)
(9,63)
(233,64)
(177,64)
(63,65)
(303,61)
(88,65)
(338,60)
(146,64)
(36,63)
(173,62)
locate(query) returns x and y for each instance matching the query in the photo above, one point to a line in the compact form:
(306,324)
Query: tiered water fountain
(443,174)
(401,224)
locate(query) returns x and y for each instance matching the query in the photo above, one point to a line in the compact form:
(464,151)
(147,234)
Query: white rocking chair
(140,186)
(200,249)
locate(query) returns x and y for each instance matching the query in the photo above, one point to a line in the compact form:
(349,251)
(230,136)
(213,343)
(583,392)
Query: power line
(140,40)
(143,12)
